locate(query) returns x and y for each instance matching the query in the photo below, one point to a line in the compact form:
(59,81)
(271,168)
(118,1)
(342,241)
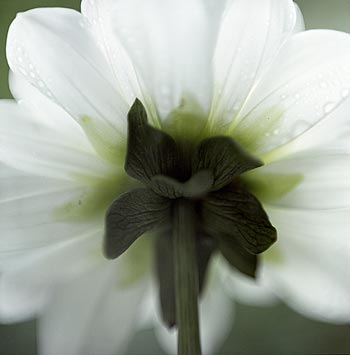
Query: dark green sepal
(164,257)
(198,185)
(206,247)
(225,158)
(237,256)
(131,215)
(150,151)
(236,213)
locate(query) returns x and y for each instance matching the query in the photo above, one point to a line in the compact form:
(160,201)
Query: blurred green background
(268,330)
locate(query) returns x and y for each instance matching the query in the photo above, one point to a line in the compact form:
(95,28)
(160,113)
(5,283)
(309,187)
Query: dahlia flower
(224,117)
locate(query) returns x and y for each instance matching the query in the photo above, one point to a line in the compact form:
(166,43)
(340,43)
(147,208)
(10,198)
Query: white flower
(248,70)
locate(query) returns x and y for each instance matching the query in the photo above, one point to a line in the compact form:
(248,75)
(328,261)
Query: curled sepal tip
(235,214)
(225,158)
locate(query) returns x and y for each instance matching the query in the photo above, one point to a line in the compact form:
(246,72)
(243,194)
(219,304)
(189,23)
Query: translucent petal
(170,44)
(310,180)
(57,55)
(250,36)
(305,83)
(309,267)
(91,315)
(33,144)
(27,285)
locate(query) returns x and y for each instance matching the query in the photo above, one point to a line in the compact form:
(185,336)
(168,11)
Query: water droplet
(297,96)
(41,83)
(32,74)
(20,59)
(283,97)
(328,107)
(276,131)
(323,85)
(345,93)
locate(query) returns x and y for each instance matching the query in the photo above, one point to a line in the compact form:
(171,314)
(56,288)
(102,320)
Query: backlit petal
(309,267)
(251,34)
(91,315)
(305,83)
(58,56)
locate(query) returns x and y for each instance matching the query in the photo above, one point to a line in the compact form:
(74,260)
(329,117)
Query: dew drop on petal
(328,107)
(283,97)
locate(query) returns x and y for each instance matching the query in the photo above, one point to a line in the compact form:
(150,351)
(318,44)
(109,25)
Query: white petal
(47,113)
(91,315)
(330,135)
(58,56)
(312,180)
(309,267)
(29,144)
(245,289)
(100,23)
(26,286)
(306,82)
(171,45)
(30,213)
(216,318)
(250,37)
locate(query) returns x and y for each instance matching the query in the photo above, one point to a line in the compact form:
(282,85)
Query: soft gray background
(271,330)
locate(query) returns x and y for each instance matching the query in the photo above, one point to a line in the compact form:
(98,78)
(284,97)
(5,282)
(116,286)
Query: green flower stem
(186,278)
